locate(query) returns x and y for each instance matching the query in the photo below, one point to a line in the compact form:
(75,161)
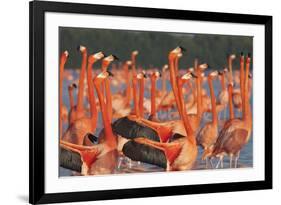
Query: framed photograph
(132,102)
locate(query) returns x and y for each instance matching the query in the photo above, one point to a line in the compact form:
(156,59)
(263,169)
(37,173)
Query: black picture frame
(37,11)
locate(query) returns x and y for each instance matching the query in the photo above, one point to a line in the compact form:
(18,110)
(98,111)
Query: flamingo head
(213,74)
(134,53)
(248,58)
(101,76)
(175,52)
(156,74)
(141,75)
(81,48)
(129,63)
(232,56)
(203,66)
(165,67)
(110,58)
(72,86)
(64,56)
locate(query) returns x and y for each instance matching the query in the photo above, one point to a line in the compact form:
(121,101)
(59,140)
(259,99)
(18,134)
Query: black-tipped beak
(74,85)
(193,75)
(241,54)
(160,74)
(92,138)
(110,73)
(220,72)
(115,57)
(250,76)
(249,55)
(144,75)
(182,49)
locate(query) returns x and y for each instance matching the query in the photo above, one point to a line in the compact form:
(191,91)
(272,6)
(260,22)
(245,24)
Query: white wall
(14,99)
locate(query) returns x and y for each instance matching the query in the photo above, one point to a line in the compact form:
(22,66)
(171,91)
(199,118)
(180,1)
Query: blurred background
(153,47)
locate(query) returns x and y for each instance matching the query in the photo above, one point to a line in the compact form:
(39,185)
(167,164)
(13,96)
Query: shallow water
(129,166)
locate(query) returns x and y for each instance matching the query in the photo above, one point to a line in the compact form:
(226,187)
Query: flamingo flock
(121,115)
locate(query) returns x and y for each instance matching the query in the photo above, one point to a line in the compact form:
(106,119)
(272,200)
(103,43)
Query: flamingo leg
(217,166)
(222,161)
(206,165)
(230,160)
(236,160)
(211,162)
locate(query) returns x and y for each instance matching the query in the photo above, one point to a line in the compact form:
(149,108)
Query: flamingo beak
(193,75)
(110,73)
(115,57)
(74,85)
(182,49)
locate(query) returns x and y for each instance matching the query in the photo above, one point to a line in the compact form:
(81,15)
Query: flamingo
(100,158)
(207,136)
(63,60)
(84,125)
(237,131)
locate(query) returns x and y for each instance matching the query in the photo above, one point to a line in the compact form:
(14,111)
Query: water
(129,166)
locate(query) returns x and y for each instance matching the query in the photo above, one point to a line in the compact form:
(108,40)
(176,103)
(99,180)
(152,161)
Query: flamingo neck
(230,70)
(199,94)
(231,111)
(128,88)
(177,65)
(246,92)
(153,97)
(222,82)
(61,70)
(187,126)
(164,89)
(92,99)
(136,107)
(242,84)
(81,83)
(109,137)
(213,101)
(108,99)
(174,84)
(141,93)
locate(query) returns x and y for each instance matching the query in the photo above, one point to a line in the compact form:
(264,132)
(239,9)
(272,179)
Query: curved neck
(153,97)
(187,126)
(246,92)
(108,99)
(141,93)
(199,93)
(164,89)
(133,58)
(231,111)
(173,75)
(242,84)
(61,71)
(136,107)
(128,87)
(213,101)
(92,99)
(81,83)
(177,65)
(109,137)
